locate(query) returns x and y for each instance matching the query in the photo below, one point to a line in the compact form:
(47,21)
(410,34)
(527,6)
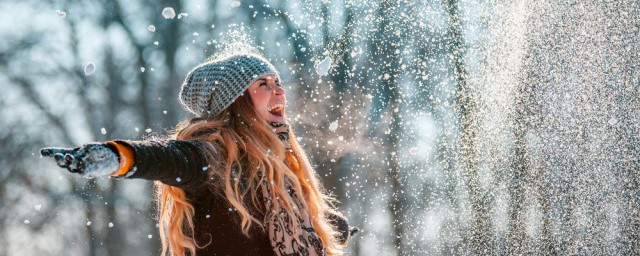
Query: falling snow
(333,126)
(89,69)
(442,127)
(168,13)
(324,66)
(61,14)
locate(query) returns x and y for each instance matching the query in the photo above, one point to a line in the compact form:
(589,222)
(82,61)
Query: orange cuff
(126,158)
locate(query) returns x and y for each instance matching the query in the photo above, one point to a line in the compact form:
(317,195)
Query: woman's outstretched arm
(180,163)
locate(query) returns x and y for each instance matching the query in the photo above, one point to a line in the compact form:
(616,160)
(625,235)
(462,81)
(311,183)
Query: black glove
(346,231)
(90,160)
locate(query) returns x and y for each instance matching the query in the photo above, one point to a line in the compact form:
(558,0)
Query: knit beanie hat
(213,85)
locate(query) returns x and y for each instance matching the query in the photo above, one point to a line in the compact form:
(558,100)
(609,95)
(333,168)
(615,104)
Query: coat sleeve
(180,163)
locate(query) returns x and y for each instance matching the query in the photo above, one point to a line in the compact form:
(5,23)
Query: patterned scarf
(280,224)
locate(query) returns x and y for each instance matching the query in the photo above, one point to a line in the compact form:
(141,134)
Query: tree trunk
(385,46)
(477,238)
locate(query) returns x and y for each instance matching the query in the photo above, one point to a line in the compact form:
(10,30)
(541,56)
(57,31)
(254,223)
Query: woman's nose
(278,90)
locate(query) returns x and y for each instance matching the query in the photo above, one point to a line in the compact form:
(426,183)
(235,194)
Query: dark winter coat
(182,163)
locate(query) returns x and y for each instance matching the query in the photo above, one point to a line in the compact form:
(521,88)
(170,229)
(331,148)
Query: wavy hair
(240,144)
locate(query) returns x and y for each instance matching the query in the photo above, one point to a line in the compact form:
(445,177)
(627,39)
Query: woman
(233,180)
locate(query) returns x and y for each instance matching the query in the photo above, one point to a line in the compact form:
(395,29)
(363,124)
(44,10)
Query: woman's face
(268,98)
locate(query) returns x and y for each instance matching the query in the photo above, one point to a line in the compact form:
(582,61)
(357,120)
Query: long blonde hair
(239,138)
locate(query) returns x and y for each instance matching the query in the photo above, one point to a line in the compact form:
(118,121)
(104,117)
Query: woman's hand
(346,231)
(90,160)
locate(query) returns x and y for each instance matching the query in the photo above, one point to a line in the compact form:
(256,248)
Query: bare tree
(385,44)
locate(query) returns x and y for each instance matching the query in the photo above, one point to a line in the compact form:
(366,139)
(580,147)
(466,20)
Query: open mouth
(277,110)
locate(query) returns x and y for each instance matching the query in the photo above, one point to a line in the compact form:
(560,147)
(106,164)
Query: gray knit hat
(213,85)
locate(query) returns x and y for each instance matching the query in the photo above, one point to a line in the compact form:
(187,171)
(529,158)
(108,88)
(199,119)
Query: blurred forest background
(443,127)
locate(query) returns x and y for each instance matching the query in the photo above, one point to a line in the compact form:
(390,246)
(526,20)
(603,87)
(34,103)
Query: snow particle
(148,130)
(61,14)
(88,223)
(103,131)
(142,69)
(89,69)
(168,13)
(27,221)
(110,224)
(333,126)
(37,207)
(178,179)
(150,236)
(151,28)
(323,67)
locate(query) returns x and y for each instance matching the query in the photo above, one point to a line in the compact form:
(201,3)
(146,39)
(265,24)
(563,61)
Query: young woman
(231,181)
